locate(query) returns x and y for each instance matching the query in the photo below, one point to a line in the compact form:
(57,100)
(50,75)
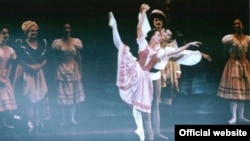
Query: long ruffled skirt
(235,81)
(7,98)
(135,85)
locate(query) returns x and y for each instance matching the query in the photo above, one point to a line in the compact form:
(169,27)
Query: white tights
(139,123)
(236,107)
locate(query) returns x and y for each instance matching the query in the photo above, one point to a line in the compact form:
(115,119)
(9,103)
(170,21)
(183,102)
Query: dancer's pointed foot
(112,21)
(161,137)
(74,122)
(244,120)
(232,121)
(140,133)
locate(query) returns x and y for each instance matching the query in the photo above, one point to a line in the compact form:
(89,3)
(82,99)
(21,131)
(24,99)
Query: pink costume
(133,79)
(70,88)
(7,98)
(235,81)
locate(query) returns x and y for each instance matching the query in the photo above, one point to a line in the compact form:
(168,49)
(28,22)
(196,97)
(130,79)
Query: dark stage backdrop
(103,110)
(202,20)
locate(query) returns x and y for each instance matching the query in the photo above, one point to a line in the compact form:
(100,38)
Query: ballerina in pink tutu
(133,76)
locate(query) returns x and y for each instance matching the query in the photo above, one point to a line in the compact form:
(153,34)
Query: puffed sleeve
(56,44)
(161,53)
(12,53)
(142,43)
(78,43)
(227,39)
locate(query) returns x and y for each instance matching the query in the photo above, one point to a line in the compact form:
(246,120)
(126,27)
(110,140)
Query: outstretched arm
(206,56)
(144,9)
(116,36)
(180,49)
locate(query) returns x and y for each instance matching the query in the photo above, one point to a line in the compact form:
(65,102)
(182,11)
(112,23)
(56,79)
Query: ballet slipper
(232,121)
(140,134)
(112,21)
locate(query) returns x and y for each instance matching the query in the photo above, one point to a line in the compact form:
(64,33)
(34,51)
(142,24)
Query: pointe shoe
(112,21)
(140,134)
(232,121)
(161,137)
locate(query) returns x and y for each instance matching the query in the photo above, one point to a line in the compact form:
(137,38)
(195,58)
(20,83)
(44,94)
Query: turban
(27,24)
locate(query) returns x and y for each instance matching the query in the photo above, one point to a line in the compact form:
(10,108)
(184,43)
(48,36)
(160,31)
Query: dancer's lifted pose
(133,78)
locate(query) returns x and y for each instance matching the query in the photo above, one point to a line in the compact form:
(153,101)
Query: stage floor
(103,116)
(107,119)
